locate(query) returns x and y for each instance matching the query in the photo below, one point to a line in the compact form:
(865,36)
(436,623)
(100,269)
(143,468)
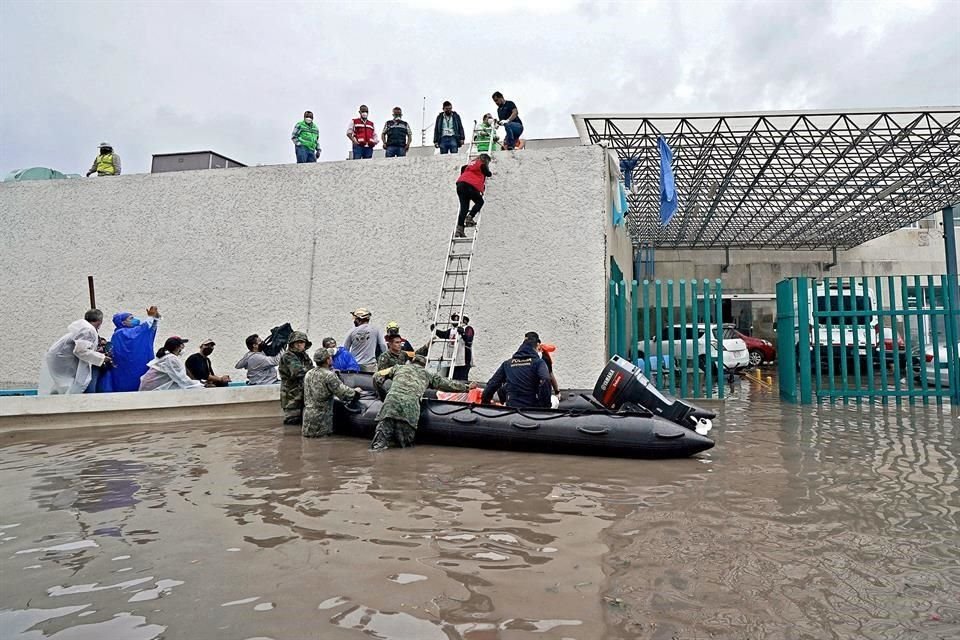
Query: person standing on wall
(363,135)
(470,187)
(397,135)
(510,119)
(305,136)
(448,135)
(107,163)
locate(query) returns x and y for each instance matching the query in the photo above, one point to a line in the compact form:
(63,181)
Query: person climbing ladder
(470,187)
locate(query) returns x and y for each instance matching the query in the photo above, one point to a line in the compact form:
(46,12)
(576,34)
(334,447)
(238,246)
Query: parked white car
(845,337)
(735,353)
(935,377)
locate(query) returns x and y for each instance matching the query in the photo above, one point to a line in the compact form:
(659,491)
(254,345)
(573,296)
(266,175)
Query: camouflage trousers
(293,416)
(392,433)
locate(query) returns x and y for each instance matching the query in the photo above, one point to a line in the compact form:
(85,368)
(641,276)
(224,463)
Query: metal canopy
(795,180)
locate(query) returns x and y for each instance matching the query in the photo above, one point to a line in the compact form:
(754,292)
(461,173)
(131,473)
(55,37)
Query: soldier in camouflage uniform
(293,367)
(400,413)
(394,354)
(320,386)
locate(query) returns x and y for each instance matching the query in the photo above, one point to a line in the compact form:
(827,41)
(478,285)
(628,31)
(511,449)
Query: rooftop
(785,179)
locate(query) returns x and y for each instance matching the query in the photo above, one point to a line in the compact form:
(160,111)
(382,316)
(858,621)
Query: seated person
(200,368)
(166,371)
(525,376)
(343,360)
(261,368)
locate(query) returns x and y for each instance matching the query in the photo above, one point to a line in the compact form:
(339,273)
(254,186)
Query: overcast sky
(164,76)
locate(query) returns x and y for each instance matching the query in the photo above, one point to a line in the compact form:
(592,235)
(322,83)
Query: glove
(460,330)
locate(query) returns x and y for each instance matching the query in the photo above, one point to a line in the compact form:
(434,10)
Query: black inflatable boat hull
(543,430)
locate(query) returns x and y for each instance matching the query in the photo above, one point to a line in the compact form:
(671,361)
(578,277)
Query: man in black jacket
(525,375)
(448,135)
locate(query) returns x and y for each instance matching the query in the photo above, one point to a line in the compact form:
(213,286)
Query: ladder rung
(456,273)
(453,289)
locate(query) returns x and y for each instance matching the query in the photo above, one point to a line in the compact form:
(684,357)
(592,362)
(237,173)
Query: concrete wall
(228,253)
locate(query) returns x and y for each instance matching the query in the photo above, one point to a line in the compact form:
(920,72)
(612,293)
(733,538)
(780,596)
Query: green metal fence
(869,338)
(673,331)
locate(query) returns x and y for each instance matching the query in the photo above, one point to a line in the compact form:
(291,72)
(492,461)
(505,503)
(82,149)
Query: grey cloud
(157,77)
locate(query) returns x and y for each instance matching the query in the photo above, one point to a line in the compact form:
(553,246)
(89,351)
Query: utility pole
(423,123)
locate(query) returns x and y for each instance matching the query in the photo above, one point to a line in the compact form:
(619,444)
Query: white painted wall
(230,252)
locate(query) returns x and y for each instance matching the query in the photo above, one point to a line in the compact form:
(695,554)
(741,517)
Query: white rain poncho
(67,365)
(166,373)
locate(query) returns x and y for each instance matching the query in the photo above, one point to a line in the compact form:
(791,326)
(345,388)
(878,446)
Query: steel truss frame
(785,180)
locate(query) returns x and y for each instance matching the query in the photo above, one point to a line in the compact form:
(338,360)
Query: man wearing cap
(397,135)
(364,340)
(200,368)
(343,360)
(363,135)
(320,386)
(107,163)
(398,417)
(525,375)
(393,329)
(294,365)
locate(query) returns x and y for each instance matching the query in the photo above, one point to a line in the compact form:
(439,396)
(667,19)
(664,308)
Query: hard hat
(361,313)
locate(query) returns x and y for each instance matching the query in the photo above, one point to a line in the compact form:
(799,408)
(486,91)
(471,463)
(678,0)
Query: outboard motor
(622,387)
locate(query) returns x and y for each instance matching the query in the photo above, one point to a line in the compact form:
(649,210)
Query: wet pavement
(823,522)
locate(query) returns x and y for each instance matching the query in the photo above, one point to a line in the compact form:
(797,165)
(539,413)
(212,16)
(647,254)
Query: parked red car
(760,350)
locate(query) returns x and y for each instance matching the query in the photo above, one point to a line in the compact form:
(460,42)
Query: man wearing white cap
(364,340)
(107,163)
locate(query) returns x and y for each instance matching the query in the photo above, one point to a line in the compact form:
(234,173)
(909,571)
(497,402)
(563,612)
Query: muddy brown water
(824,522)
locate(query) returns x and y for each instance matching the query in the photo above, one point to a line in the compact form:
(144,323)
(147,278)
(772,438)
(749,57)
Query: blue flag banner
(668,187)
(620,204)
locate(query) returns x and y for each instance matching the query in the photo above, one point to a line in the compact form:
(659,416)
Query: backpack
(277,340)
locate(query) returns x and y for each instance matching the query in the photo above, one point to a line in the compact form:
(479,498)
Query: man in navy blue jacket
(525,375)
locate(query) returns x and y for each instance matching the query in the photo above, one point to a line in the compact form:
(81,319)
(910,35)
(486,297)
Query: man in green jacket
(400,413)
(305,137)
(293,367)
(320,386)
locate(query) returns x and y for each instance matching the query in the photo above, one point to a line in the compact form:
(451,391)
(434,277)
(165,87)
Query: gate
(869,337)
(672,330)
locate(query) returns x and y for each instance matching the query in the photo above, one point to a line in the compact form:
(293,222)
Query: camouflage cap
(299,336)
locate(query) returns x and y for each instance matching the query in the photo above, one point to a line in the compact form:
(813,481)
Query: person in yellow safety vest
(107,163)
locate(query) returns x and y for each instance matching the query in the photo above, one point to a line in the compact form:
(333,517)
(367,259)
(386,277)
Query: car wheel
(756,357)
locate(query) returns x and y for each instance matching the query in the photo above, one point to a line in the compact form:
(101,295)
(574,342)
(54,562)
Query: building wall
(229,253)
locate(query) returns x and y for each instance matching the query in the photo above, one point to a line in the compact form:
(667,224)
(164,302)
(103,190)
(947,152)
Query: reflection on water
(802,523)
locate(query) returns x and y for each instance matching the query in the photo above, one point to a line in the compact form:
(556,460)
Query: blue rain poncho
(132,350)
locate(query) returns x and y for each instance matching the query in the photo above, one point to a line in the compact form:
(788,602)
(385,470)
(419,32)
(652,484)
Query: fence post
(634,322)
(786,352)
(611,319)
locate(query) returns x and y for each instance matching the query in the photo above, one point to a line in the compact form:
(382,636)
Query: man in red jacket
(363,135)
(470,187)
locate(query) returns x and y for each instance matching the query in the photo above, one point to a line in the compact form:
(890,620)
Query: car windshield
(829,306)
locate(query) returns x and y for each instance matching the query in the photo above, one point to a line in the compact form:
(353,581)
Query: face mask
(308,120)
(363,114)
(133,322)
(397,116)
(332,351)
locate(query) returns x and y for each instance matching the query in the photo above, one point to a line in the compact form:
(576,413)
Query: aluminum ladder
(442,352)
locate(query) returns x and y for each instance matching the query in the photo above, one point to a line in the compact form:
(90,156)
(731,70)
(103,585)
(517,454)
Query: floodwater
(823,522)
